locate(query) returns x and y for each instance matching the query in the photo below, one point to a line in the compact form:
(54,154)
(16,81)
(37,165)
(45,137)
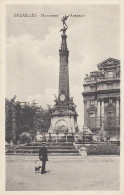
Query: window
(106,100)
(92,120)
(110,100)
(92,102)
(92,115)
(110,74)
(92,78)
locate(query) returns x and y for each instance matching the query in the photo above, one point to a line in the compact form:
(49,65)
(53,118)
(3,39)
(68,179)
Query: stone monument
(63,113)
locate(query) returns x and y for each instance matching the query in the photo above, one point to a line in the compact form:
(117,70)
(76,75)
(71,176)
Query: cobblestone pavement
(68,174)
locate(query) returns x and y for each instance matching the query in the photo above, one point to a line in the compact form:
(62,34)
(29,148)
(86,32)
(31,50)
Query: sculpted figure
(63,30)
(86,77)
(63,20)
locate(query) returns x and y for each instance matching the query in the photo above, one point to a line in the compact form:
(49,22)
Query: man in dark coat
(43,157)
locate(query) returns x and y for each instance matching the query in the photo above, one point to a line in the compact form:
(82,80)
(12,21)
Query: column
(96,103)
(85,112)
(102,113)
(117,112)
(70,129)
(98,113)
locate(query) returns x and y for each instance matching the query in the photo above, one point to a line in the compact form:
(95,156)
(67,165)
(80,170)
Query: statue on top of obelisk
(64,24)
(63,20)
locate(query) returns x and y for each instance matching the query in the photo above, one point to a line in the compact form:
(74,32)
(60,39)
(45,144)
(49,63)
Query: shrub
(25,138)
(32,134)
(103,149)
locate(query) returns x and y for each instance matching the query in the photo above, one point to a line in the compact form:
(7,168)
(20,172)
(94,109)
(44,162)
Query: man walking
(43,156)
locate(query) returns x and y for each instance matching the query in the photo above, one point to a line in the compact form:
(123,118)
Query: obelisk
(64,116)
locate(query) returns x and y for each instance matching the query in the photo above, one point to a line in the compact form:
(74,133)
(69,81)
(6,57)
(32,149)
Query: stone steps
(49,154)
(52,144)
(48,147)
(53,148)
(49,151)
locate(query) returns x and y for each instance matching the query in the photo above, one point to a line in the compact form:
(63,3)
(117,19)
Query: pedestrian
(43,157)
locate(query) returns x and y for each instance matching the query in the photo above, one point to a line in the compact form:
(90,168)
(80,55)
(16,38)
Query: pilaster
(102,113)
(117,110)
(98,113)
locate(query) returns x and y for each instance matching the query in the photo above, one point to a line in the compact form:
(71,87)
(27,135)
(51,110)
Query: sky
(33,43)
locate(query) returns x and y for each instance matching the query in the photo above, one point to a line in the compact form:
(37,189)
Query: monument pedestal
(63,122)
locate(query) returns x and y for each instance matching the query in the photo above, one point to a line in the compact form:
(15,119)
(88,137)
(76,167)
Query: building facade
(102,97)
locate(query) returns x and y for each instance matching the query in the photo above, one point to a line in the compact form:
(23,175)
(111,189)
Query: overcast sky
(33,49)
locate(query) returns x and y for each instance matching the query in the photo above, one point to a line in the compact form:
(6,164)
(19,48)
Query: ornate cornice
(107,91)
(97,92)
(107,95)
(102,80)
(88,93)
(108,80)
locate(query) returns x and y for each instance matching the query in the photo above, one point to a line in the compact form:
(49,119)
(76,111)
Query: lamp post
(84,128)
(73,137)
(66,136)
(13,104)
(50,137)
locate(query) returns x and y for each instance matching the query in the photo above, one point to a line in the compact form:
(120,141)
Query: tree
(8,121)
(27,118)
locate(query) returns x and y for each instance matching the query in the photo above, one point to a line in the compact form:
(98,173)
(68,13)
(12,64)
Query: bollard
(83,152)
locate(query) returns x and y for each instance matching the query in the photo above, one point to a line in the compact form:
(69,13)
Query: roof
(108,62)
